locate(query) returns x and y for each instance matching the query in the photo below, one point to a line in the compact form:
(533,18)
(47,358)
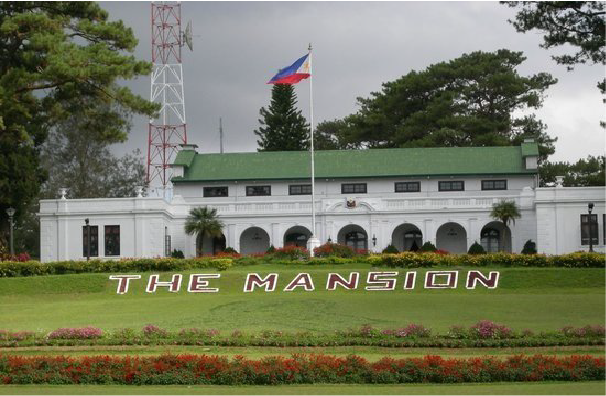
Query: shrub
(587,331)
(412,330)
(291,252)
(428,247)
(368,331)
(245,261)
(487,329)
(476,248)
(123,333)
(529,247)
(458,332)
(390,249)
(16,336)
(178,254)
(225,254)
(221,264)
(331,260)
(84,333)
(19,257)
(230,250)
(334,250)
(374,260)
(153,331)
(198,333)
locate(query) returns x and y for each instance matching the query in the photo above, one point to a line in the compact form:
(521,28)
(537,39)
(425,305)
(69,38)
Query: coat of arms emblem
(351,203)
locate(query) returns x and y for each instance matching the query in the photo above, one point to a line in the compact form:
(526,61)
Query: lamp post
(11,212)
(87,239)
(374,240)
(590,209)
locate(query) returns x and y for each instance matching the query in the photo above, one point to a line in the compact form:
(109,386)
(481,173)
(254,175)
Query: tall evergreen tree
(578,26)
(57,59)
(283,127)
(468,101)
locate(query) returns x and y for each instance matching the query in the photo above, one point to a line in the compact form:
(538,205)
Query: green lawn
(537,388)
(537,298)
(372,353)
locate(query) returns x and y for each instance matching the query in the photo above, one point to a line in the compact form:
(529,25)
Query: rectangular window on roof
(407,187)
(353,188)
(589,229)
(210,192)
(94,241)
(299,189)
(257,191)
(494,184)
(457,185)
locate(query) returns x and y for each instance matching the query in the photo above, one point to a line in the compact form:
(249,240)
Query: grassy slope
(540,299)
(370,353)
(550,388)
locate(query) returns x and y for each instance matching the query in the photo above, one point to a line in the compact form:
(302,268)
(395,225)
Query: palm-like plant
(506,212)
(203,222)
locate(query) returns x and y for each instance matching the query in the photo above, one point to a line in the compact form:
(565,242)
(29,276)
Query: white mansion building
(364,198)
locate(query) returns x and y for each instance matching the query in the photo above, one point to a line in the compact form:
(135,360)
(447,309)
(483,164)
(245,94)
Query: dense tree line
(468,101)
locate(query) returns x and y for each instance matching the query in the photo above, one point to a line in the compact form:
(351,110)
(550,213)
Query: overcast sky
(238,46)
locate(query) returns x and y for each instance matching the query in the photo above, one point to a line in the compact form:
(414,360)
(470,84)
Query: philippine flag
(294,73)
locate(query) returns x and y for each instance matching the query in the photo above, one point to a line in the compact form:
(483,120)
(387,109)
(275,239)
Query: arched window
(356,240)
(219,244)
(296,239)
(491,240)
(413,240)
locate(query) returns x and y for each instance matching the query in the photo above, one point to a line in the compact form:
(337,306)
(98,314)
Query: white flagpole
(313,239)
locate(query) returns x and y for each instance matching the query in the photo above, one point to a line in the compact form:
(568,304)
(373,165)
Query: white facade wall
(550,216)
(143,224)
(559,213)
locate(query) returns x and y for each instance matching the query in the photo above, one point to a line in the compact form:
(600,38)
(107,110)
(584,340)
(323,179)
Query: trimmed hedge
(416,260)
(401,260)
(299,369)
(32,268)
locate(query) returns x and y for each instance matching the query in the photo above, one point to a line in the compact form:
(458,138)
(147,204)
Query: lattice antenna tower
(169,129)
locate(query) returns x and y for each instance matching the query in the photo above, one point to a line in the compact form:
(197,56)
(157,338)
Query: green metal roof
(184,158)
(530,149)
(399,162)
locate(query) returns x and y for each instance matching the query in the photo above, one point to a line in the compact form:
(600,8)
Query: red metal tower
(169,130)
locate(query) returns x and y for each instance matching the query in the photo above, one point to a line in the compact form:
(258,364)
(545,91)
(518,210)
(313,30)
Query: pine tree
(283,127)
(57,59)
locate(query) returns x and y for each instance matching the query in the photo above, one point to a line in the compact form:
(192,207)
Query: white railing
(378,204)
(102,205)
(324,205)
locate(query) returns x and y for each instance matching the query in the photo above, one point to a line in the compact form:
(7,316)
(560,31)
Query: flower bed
(299,369)
(481,334)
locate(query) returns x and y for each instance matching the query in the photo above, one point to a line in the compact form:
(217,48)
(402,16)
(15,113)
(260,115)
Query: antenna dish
(187,36)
